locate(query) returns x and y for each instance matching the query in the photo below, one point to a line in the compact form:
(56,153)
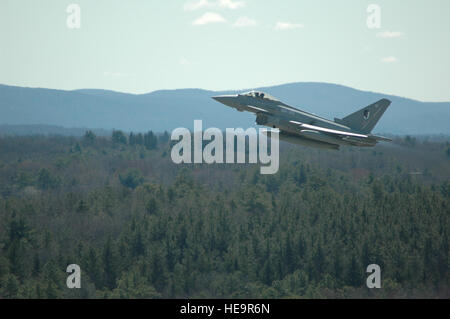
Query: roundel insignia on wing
(366,114)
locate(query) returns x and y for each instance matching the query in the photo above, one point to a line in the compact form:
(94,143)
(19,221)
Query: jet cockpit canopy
(260,95)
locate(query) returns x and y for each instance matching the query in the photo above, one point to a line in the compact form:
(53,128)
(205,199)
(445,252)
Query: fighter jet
(303,128)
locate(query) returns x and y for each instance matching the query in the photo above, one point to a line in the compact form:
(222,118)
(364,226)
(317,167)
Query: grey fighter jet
(303,128)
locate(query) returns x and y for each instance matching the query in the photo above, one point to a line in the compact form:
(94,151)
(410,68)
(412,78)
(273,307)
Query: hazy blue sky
(144,45)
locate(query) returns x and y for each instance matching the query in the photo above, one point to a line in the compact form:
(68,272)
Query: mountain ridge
(95,91)
(167,109)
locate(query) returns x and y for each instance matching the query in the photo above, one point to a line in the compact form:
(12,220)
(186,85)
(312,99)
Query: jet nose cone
(221,98)
(229,100)
(217,98)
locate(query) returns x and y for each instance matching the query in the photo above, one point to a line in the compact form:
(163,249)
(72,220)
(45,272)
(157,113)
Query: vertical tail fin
(365,119)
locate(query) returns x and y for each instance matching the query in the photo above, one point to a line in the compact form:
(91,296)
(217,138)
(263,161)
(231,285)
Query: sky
(138,46)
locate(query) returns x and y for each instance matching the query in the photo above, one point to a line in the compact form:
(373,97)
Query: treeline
(149,140)
(140,226)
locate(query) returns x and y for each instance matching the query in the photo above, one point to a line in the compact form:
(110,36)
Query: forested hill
(166,110)
(140,226)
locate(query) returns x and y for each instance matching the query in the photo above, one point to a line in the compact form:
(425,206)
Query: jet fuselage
(297,126)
